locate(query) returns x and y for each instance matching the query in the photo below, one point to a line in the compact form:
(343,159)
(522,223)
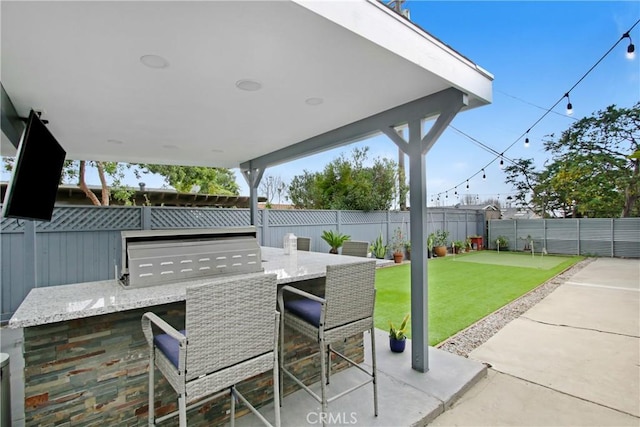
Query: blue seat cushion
(306,309)
(169,346)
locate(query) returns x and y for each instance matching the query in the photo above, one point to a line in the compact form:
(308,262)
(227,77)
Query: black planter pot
(397,346)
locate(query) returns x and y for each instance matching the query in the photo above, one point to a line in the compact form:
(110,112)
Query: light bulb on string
(501,162)
(526,142)
(456,191)
(484,175)
(631,49)
(569,105)
(467,184)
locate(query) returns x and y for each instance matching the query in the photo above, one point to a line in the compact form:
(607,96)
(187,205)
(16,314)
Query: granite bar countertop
(66,302)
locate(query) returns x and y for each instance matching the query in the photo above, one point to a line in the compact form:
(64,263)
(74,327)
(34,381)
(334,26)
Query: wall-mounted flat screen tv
(31,193)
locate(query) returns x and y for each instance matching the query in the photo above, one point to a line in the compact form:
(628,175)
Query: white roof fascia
(408,41)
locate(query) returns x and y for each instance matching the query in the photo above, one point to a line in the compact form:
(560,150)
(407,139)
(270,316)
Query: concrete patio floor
(405,397)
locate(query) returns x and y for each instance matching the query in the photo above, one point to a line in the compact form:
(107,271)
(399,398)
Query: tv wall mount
(39,113)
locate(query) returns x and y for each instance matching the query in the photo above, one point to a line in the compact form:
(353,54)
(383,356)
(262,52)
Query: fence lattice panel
(83,218)
(9,225)
(166,218)
(301,217)
(358,217)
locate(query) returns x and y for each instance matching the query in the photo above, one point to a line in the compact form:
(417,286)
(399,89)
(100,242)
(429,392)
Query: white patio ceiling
(79,62)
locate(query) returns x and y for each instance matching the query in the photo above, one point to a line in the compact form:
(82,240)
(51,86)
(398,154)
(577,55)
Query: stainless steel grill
(164,256)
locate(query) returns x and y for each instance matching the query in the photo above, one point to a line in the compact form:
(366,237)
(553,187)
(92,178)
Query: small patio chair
(345,310)
(304,243)
(231,334)
(355,248)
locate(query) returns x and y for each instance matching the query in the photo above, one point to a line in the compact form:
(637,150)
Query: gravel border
(467,340)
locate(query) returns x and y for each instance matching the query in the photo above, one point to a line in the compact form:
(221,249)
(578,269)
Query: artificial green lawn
(461,293)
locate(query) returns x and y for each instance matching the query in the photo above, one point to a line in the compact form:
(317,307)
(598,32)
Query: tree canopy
(218,181)
(593,172)
(199,179)
(346,183)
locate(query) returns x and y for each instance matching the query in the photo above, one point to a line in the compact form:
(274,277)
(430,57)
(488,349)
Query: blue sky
(536,51)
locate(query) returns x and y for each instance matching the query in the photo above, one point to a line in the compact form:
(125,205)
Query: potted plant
(440,242)
(430,240)
(378,248)
(468,244)
(502,243)
(407,248)
(335,239)
(397,337)
(397,245)
(457,246)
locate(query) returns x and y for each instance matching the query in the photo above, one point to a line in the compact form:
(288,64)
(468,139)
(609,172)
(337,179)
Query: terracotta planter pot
(397,257)
(440,251)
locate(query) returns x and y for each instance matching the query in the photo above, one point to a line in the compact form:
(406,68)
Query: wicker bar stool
(345,310)
(304,243)
(355,248)
(205,359)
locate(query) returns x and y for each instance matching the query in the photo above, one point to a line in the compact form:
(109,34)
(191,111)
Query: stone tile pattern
(93,371)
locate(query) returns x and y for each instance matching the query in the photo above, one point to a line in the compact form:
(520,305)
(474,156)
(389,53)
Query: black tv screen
(31,193)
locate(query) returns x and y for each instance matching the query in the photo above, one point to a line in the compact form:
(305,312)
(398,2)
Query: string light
(631,49)
(456,193)
(630,55)
(569,106)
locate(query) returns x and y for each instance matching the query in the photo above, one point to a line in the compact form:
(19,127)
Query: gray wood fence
(82,243)
(608,237)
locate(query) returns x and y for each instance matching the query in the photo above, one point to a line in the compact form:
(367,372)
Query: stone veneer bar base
(93,371)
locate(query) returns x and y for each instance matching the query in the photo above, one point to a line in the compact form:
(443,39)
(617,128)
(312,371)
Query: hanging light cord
(548,110)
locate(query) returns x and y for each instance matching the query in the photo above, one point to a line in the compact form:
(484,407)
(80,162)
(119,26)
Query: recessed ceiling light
(154,61)
(314,101)
(215,150)
(170,147)
(248,84)
(114,141)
